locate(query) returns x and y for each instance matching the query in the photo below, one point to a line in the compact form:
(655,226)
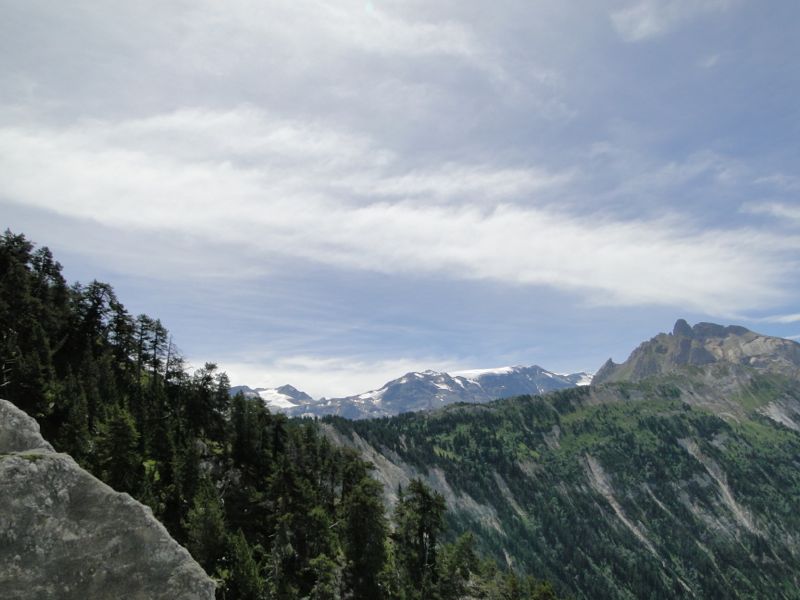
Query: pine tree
(364,538)
(458,562)
(244,581)
(72,406)
(119,459)
(327,576)
(205,527)
(419,520)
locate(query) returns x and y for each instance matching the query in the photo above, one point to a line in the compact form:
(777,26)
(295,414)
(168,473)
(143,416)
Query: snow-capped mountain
(280,399)
(424,390)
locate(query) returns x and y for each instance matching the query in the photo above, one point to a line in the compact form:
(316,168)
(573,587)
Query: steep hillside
(683,484)
(65,534)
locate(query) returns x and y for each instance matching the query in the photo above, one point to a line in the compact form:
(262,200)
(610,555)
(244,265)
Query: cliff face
(65,534)
(705,344)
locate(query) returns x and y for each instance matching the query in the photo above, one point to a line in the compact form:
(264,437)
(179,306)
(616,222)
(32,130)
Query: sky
(331,194)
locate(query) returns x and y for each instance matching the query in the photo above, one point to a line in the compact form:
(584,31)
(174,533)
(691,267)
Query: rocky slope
(678,479)
(705,344)
(64,534)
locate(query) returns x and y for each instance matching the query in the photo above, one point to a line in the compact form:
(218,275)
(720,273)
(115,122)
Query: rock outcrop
(64,534)
(705,344)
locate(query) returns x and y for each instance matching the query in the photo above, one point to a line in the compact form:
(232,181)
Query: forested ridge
(266,504)
(622,490)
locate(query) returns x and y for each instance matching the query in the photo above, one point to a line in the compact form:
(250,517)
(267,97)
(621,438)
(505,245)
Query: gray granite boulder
(64,534)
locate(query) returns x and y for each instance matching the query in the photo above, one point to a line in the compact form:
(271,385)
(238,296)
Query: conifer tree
(119,459)
(244,581)
(364,538)
(72,407)
(419,520)
(205,527)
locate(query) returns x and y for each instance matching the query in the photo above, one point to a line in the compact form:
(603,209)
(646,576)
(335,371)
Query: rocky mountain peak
(294,393)
(682,328)
(704,344)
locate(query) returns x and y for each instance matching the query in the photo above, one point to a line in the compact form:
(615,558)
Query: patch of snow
(586,379)
(274,399)
(476,373)
(372,396)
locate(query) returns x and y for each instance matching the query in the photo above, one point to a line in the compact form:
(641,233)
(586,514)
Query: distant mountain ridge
(425,390)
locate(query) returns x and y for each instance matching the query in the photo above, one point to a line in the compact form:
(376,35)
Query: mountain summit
(704,344)
(278,399)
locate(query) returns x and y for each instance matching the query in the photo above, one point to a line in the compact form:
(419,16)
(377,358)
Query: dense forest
(266,504)
(625,490)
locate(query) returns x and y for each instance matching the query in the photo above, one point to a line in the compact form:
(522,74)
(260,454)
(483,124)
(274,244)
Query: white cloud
(279,188)
(651,18)
(699,165)
(783,319)
(785,212)
(341,24)
(781,181)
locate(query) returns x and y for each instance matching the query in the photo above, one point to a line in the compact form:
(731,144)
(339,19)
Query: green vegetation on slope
(623,491)
(265,504)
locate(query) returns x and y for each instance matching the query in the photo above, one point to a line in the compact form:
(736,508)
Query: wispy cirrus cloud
(648,19)
(787,213)
(794,318)
(282,188)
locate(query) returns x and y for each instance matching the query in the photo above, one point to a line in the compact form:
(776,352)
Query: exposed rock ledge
(65,534)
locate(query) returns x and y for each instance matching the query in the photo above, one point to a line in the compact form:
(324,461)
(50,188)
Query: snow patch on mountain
(275,399)
(478,373)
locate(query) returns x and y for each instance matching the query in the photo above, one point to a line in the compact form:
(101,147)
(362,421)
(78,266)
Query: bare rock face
(64,534)
(705,344)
